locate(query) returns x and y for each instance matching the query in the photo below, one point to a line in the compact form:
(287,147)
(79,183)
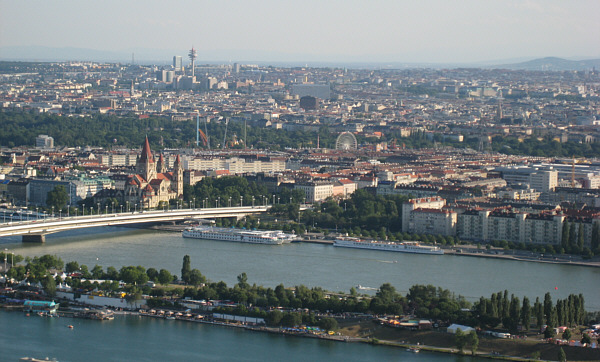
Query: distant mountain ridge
(552,63)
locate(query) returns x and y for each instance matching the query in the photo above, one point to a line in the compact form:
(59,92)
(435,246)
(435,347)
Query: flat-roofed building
(472,224)
(422,203)
(432,221)
(315,190)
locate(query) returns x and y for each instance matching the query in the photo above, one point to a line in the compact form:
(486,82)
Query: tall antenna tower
(193,55)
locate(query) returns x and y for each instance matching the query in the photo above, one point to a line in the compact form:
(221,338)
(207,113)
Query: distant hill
(552,63)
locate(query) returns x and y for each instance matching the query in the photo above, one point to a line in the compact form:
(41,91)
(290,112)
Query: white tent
(465,329)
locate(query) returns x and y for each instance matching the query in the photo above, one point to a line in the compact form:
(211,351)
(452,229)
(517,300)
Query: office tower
(177,63)
(44,142)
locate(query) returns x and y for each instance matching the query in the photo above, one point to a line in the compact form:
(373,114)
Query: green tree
(85,273)
(573,237)
(580,238)
(274,317)
(186,268)
(549,332)
(49,285)
(567,334)
(328,324)
(565,235)
(112,273)
(596,238)
(474,342)
(291,319)
(460,340)
(243,281)
(548,307)
(586,339)
(562,356)
(526,314)
(539,312)
(164,277)
(57,197)
(196,278)
(97,272)
(152,274)
(133,296)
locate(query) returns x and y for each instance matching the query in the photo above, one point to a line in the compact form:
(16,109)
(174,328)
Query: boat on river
(403,247)
(268,237)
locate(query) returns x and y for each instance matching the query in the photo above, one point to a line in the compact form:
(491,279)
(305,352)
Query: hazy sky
(312,30)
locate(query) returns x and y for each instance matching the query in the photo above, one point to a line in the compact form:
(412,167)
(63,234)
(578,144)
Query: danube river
(336,269)
(135,338)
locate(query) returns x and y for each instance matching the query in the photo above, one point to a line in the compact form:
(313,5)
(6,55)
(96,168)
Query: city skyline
(379,31)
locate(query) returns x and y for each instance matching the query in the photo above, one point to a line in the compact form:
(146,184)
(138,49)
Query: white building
(538,179)
(432,221)
(44,142)
(422,203)
(315,190)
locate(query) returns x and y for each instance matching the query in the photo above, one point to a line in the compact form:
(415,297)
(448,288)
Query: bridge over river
(36,230)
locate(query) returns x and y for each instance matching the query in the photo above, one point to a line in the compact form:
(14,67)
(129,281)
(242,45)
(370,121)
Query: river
(335,269)
(132,338)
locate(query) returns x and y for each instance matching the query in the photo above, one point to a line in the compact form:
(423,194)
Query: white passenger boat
(403,247)
(270,237)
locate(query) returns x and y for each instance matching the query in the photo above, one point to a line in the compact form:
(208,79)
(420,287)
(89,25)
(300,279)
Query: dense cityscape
(484,155)
(482,162)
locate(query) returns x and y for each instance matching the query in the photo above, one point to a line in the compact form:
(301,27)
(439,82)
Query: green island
(427,318)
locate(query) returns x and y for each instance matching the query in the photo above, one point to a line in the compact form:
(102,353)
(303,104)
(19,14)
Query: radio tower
(192,55)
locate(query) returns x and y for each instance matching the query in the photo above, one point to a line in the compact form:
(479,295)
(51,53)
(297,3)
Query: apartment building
(315,190)
(432,221)
(421,203)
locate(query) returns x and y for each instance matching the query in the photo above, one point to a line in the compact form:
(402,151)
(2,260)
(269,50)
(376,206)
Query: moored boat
(403,247)
(269,237)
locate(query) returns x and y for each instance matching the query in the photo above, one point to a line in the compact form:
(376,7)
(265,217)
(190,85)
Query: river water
(147,339)
(336,269)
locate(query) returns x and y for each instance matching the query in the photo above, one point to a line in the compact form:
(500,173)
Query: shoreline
(465,251)
(339,336)
(345,338)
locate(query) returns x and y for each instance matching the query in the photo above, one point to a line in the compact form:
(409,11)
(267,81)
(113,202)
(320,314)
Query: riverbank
(459,250)
(518,255)
(364,330)
(442,342)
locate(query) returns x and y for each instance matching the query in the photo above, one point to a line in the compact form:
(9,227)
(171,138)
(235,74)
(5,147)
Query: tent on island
(465,329)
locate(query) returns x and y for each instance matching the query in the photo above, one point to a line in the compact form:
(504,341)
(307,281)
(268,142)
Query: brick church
(150,187)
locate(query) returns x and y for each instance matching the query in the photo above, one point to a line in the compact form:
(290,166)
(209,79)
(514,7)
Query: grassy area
(444,342)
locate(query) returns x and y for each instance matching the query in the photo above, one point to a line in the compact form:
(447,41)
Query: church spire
(160,166)
(146,155)
(178,176)
(145,165)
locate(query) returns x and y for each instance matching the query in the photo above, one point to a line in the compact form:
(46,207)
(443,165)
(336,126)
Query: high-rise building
(177,63)
(44,141)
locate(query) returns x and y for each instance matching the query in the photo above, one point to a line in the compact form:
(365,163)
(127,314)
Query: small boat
(413,350)
(70,326)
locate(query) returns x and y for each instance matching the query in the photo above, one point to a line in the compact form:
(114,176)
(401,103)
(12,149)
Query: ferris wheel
(346,141)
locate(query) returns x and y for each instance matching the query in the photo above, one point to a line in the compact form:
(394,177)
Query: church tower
(160,166)
(178,176)
(145,165)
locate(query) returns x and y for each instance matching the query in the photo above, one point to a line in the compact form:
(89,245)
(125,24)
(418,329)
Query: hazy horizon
(379,31)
